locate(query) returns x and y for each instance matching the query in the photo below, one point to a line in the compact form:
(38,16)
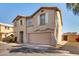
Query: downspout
(55,38)
(26,32)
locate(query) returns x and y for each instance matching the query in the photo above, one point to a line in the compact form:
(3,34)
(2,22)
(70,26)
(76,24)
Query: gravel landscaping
(71,49)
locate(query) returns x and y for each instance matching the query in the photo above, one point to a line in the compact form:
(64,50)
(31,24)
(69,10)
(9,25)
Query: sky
(8,11)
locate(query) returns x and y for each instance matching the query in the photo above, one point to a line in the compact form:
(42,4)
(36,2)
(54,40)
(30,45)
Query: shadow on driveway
(33,50)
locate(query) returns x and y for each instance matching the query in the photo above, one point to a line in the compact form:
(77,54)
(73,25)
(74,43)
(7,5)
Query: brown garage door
(40,38)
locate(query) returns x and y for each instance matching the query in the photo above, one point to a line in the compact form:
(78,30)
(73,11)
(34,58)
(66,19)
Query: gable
(46,8)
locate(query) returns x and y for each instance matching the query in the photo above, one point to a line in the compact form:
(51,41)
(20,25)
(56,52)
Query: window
(21,22)
(29,22)
(5,27)
(42,19)
(15,24)
(42,10)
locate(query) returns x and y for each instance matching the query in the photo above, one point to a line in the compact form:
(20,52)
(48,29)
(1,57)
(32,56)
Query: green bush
(10,39)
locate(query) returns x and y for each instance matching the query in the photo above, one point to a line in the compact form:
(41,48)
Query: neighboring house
(43,27)
(5,30)
(70,36)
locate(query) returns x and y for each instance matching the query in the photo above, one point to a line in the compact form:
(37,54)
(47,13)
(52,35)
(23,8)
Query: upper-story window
(15,24)
(21,23)
(42,19)
(29,22)
(5,27)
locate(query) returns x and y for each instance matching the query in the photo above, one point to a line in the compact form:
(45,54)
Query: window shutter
(38,20)
(46,18)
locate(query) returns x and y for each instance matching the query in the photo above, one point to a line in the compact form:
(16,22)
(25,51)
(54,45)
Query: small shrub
(10,39)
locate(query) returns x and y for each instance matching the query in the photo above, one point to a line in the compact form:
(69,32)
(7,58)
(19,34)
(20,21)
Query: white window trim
(38,20)
(29,24)
(46,19)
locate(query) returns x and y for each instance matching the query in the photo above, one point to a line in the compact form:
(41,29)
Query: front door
(21,36)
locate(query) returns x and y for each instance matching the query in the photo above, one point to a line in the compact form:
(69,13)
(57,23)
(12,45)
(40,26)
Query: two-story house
(5,30)
(44,27)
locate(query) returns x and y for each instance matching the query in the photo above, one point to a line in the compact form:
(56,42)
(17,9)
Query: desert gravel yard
(13,49)
(72,47)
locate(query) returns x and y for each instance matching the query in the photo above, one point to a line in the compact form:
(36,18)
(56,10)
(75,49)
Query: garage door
(40,38)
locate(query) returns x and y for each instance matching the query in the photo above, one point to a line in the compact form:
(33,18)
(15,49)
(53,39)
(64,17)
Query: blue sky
(9,11)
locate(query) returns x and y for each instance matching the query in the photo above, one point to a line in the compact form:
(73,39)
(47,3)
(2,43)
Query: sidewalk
(11,44)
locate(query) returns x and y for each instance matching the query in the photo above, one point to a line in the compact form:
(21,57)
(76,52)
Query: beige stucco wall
(19,28)
(35,27)
(58,35)
(2,36)
(50,23)
(59,28)
(72,38)
(4,32)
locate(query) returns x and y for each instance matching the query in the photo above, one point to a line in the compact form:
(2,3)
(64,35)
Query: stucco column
(25,38)
(18,37)
(53,40)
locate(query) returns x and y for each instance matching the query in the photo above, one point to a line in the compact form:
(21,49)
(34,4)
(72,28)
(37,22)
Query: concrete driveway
(5,50)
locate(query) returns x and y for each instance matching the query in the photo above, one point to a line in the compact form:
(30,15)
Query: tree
(73,7)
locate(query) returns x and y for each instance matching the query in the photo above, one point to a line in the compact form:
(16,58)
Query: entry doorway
(21,36)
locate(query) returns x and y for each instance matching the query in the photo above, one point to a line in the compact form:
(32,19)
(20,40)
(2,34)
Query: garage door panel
(40,38)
